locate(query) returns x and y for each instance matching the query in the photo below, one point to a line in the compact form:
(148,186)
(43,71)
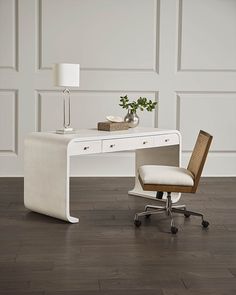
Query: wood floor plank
(108,292)
(106,255)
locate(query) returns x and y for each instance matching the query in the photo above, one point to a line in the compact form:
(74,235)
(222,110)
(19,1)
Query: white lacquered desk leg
(46,181)
(167,155)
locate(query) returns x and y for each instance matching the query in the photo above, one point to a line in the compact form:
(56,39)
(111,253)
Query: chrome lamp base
(66,115)
(67,130)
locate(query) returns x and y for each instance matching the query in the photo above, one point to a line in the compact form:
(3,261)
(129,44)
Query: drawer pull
(145,142)
(112,145)
(86,148)
(167,139)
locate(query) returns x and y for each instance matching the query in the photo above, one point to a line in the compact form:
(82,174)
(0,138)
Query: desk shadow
(41,218)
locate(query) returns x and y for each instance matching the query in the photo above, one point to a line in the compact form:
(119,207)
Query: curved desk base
(46,166)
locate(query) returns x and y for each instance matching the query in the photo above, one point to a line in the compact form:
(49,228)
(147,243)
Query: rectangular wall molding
(9,52)
(80,101)
(214,111)
(184,21)
(9,122)
(154,15)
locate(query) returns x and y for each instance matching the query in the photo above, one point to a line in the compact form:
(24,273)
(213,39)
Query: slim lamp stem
(66,108)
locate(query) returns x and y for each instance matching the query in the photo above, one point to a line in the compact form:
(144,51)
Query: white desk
(46,162)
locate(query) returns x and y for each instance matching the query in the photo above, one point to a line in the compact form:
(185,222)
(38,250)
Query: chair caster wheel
(187,215)
(137,223)
(205,224)
(147,216)
(174,230)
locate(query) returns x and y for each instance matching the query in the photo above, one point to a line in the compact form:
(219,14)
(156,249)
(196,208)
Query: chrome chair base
(169,208)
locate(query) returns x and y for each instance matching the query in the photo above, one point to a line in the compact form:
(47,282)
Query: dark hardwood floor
(106,254)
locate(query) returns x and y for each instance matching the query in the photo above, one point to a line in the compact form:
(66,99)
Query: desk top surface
(94,134)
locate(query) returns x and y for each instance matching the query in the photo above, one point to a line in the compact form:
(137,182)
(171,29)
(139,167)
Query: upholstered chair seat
(166,175)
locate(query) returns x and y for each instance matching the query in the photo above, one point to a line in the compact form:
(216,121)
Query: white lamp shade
(66,75)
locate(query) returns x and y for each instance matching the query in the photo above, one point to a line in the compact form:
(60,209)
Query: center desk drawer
(85,147)
(166,139)
(124,144)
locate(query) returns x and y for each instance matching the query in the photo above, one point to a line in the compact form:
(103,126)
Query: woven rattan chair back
(198,157)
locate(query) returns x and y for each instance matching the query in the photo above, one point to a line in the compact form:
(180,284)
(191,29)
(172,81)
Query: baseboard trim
(91,175)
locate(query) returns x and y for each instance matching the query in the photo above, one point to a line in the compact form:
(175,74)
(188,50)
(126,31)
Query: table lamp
(66,75)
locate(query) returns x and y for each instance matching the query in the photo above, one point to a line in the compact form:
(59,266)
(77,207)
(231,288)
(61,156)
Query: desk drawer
(167,139)
(125,144)
(145,142)
(85,147)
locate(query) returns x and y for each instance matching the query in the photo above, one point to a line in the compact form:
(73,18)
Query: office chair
(175,179)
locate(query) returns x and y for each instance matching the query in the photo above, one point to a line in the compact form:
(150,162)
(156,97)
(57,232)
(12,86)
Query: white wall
(182,53)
